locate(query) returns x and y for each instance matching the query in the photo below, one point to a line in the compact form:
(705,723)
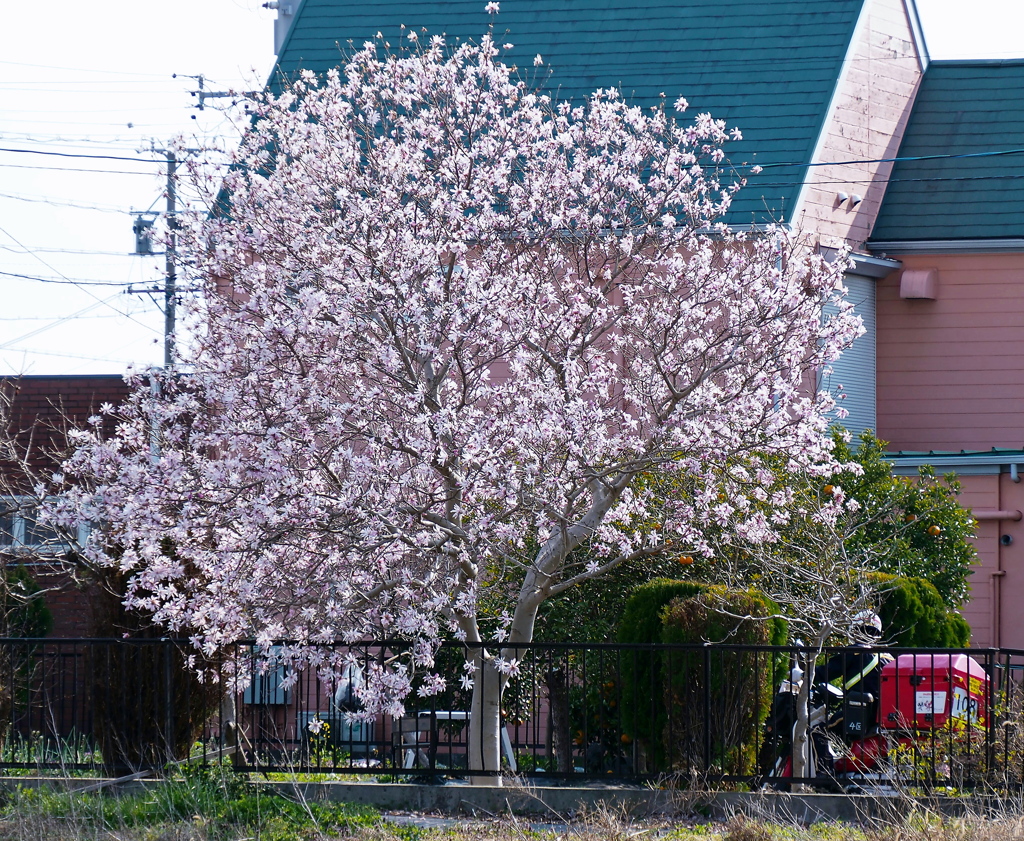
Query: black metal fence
(624,712)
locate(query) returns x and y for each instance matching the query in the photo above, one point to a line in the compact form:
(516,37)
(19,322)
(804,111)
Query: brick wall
(42,409)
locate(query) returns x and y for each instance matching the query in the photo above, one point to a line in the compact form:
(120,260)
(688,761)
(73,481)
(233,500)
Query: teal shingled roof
(767,68)
(963,107)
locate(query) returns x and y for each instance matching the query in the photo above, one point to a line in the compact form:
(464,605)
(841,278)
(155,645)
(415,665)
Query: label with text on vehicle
(964,706)
(929,702)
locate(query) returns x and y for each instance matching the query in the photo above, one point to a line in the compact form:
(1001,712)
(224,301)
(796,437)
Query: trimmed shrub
(642,708)
(915,616)
(738,684)
(663,707)
(642,619)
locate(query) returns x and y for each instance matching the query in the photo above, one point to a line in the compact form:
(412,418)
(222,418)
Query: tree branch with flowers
(448,321)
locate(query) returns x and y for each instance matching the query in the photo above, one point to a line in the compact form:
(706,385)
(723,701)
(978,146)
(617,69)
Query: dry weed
(741,828)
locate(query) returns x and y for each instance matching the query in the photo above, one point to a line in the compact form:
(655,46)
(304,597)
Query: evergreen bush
(717,697)
(663,706)
(643,689)
(915,616)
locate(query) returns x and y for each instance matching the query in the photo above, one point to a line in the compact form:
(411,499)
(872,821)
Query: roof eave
(947,246)
(918,32)
(962,463)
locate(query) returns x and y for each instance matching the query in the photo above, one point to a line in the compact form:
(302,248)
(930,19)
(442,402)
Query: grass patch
(218,805)
(203,806)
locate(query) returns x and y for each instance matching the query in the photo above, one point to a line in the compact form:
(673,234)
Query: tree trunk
(801,739)
(485,722)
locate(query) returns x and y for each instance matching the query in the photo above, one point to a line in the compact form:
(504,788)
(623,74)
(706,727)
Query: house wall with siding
(997,583)
(950,378)
(949,370)
(868,118)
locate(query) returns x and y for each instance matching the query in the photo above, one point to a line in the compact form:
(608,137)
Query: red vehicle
(920,693)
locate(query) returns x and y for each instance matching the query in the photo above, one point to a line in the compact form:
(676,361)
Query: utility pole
(171,277)
(142,227)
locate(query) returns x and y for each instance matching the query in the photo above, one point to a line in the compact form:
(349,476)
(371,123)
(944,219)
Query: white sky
(96,79)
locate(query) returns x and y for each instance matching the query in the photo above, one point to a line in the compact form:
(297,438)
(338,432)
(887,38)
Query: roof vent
(919,284)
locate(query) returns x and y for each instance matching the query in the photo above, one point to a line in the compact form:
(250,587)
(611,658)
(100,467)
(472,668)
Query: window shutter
(855,369)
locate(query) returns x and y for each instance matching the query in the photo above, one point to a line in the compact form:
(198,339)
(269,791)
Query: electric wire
(84,69)
(77,169)
(61,203)
(56,323)
(85,289)
(65,281)
(69,356)
(23,318)
(83,155)
(88,252)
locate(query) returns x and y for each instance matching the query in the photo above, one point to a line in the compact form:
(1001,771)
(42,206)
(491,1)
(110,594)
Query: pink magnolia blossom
(447,323)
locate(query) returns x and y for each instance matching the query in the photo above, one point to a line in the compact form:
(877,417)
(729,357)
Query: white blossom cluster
(447,323)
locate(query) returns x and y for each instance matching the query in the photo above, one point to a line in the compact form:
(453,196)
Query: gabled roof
(769,69)
(962,108)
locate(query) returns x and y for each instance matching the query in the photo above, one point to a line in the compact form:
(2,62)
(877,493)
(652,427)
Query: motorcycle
(852,734)
(845,745)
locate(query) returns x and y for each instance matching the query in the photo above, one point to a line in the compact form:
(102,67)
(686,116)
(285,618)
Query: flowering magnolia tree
(448,322)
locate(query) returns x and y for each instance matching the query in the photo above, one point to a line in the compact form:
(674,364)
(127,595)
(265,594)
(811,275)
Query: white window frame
(15,542)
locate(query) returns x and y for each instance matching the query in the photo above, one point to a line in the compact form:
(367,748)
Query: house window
(21,531)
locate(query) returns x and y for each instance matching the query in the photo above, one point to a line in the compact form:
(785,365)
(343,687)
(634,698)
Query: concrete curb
(560,802)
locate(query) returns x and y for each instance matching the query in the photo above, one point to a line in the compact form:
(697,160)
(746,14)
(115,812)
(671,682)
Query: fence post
(707,709)
(169,704)
(990,702)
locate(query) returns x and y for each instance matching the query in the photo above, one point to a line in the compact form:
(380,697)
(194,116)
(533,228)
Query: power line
(77,169)
(65,281)
(83,155)
(83,288)
(56,322)
(68,355)
(21,318)
(89,252)
(85,70)
(61,203)
(946,156)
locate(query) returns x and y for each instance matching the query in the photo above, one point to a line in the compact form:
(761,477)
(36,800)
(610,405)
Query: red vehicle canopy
(924,691)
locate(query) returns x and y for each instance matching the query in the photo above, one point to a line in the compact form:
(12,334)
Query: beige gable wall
(867,119)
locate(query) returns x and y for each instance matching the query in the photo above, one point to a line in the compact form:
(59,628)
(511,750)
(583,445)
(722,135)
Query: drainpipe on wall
(996,577)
